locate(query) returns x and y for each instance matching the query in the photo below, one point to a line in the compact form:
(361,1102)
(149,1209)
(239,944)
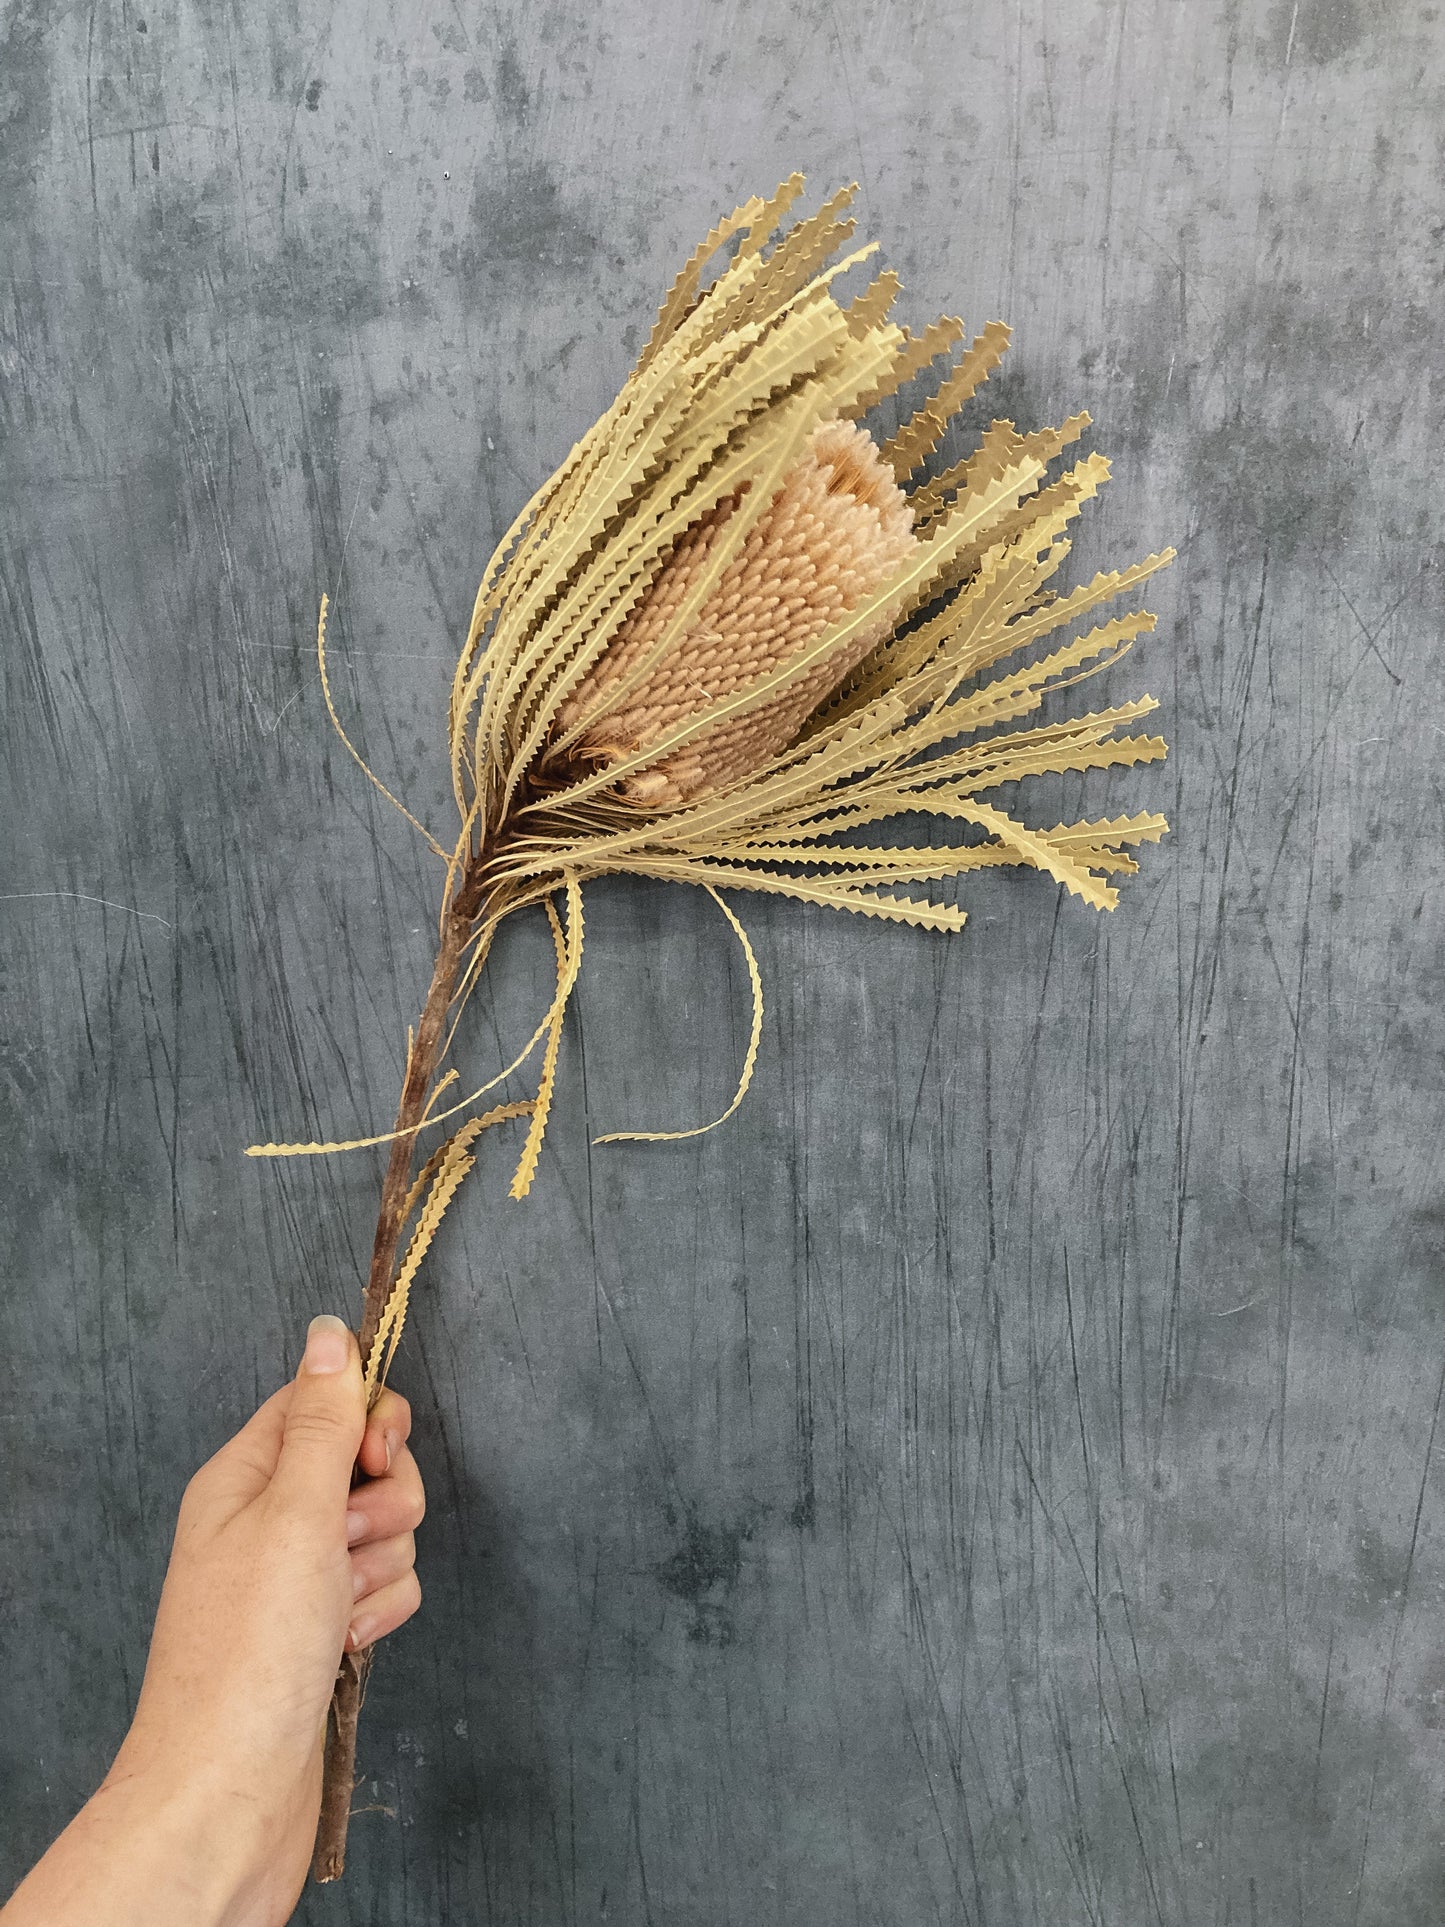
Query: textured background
(992,1480)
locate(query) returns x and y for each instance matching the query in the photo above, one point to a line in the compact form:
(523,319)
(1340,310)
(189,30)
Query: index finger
(388,1427)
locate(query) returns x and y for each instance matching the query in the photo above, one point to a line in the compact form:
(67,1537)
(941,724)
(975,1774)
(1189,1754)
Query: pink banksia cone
(835,530)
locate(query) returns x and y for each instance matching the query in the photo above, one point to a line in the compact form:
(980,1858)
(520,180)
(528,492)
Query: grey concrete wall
(996,1479)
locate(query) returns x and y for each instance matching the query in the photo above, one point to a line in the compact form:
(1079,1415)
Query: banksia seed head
(833,533)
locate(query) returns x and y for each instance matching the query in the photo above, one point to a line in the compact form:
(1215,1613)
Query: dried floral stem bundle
(727,643)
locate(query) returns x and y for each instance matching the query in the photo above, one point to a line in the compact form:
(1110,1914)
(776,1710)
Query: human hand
(278,1566)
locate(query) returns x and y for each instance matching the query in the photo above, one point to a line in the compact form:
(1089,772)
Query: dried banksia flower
(729,639)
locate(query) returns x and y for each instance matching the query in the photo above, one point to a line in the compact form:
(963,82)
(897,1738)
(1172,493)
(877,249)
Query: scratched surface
(995,1480)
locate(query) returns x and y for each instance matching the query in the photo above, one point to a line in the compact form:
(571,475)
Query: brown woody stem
(339,1778)
(328,1859)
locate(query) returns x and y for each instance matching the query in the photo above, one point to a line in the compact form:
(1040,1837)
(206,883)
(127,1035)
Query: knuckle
(313,1427)
(402,1598)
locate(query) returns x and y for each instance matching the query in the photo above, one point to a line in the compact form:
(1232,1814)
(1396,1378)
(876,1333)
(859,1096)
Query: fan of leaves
(733,382)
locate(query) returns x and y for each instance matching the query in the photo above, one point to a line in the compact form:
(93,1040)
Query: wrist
(236,1843)
(142,1848)
(196,1841)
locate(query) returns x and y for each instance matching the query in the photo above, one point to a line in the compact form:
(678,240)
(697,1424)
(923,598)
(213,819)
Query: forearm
(137,1852)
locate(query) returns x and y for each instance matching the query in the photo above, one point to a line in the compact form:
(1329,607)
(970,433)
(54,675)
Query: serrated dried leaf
(569,965)
(750,1056)
(921,433)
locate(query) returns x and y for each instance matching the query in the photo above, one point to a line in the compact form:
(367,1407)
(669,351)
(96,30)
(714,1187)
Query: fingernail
(389,1440)
(358,1583)
(359,1632)
(355,1527)
(328,1346)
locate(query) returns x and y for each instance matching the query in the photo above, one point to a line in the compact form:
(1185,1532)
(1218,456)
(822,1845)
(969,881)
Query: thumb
(325,1420)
